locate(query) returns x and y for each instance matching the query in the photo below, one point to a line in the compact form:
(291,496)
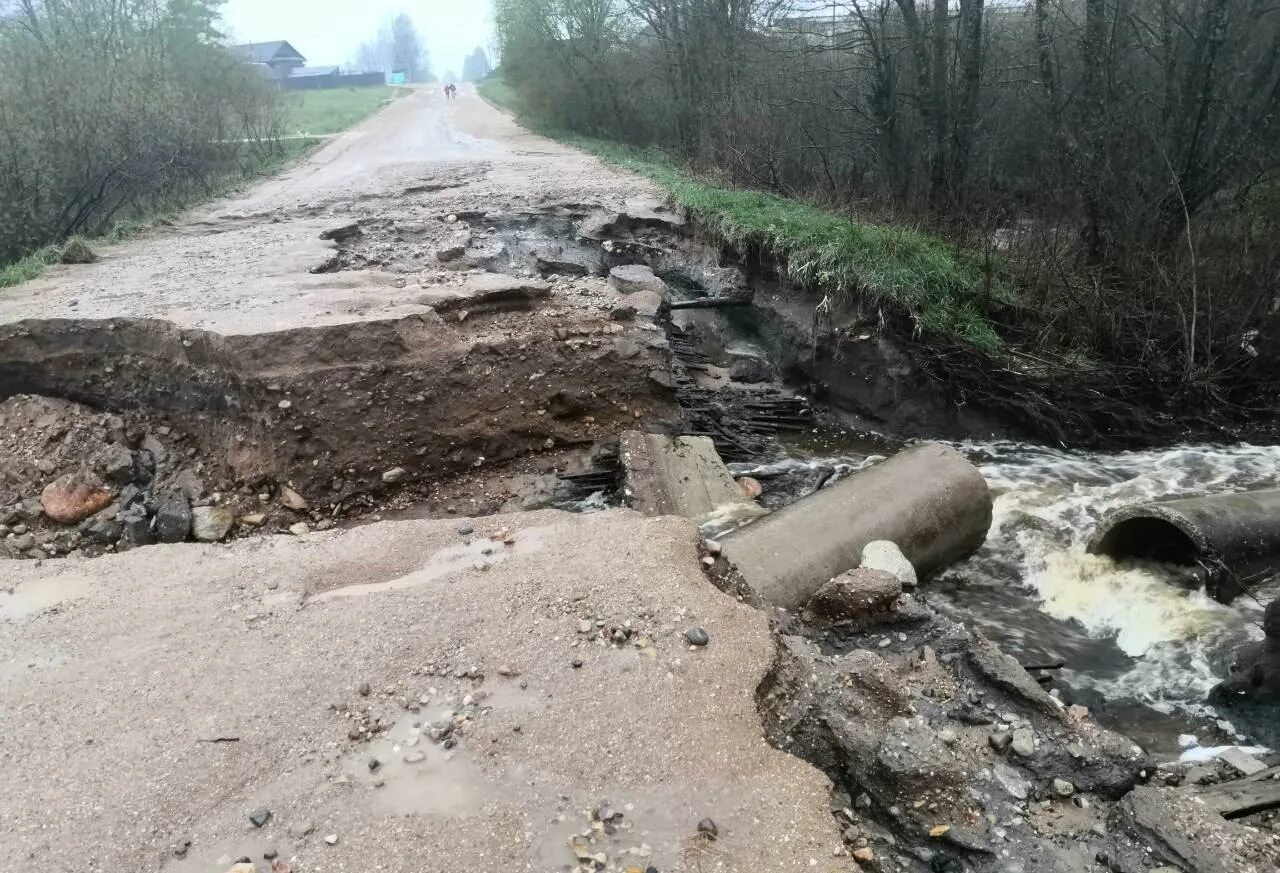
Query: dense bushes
(1120,156)
(109,109)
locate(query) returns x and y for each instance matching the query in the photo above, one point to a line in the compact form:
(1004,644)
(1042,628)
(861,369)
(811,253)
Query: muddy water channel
(1140,649)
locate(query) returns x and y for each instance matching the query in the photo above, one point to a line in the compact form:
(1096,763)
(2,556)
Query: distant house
(278,60)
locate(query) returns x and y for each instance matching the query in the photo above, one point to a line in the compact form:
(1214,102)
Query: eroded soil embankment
(344,415)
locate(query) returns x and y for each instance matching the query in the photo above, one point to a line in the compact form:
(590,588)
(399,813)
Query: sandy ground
(121,674)
(242,265)
(153,700)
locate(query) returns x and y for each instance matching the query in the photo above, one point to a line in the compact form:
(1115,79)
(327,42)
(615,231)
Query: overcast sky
(329,31)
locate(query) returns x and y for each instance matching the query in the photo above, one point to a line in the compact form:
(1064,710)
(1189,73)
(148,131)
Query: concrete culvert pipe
(928,500)
(1232,537)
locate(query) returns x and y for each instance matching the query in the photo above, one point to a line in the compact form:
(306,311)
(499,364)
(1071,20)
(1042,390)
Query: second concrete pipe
(928,500)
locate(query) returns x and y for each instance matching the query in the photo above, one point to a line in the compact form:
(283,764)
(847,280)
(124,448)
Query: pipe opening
(1148,538)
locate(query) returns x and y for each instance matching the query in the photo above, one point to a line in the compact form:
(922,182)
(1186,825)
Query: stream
(1141,649)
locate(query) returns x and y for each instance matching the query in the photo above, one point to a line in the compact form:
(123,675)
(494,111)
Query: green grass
(321,112)
(947,290)
(496,90)
(30,267)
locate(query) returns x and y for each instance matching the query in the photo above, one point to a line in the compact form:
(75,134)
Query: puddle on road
(419,777)
(32,598)
(481,553)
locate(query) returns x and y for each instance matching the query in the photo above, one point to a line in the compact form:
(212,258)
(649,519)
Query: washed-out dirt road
(444,695)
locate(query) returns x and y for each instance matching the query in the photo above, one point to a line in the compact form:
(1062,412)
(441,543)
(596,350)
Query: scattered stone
(708,827)
(1000,740)
(374,764)
(331,840)
(364,689)
(259,817)
(254,519)
(585,627)
(1241,761)
(636,277)
(886,556)
(1024,742)
(103,531)
(300,529)
(136,528)
(948,736)
(173,518)
(697,636)
(1063,788)
(244,867)
(466,530)
(211,524)
(292,499)
(864,854)
(750,487)
(577,663)
(415,757)
(115,464)
(394,475)
(341,234)
(72,498)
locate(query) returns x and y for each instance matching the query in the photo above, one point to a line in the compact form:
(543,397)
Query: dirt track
(154,699)
(242,266)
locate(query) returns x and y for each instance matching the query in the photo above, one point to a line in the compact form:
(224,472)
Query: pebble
(585,627)
(364,689)
(331,840)
(948,736)
(1000,740)
(577,663)
(466,530)
(864,854)
(394,475)
(1024,742)
(300,529)
(697,636)
(415,758)
(1063,788)
(708,827)
(260,817)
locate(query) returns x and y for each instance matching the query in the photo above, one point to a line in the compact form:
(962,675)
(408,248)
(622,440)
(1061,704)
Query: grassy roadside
(945,289)
(321,112)
(312,114)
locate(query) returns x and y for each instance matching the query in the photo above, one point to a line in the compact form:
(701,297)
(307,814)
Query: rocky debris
(485,292)
(749,365)
(1176,830)
(886,556)
(394,475)
(211,524)
(115,464)
(1242,762)
(260,817)
(696,636)
(1007,674)
(291,499)
(173,518)
(331,840)
(344,233)
(907,728)
(454,247)
(856,594)
(635,278)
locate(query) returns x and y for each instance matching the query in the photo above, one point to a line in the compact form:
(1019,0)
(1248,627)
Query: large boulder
(856,594)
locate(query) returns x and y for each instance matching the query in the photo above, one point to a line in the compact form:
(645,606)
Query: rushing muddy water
(1141,648)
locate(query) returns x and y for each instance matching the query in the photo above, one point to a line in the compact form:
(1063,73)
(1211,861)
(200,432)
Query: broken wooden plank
(1244,796)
